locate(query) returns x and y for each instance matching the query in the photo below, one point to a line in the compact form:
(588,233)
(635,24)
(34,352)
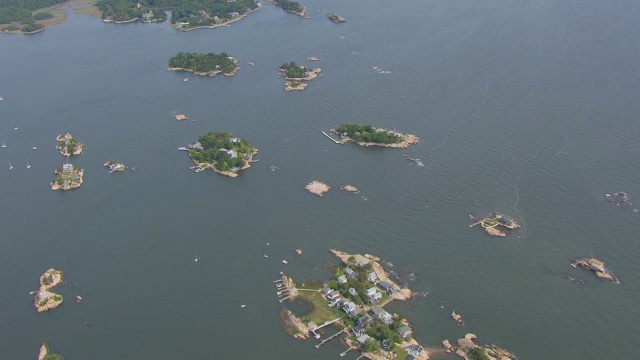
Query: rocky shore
(407,140)
(492,225)
(317,188)
(67,179)
(45,299)
(468,349)
(349,189)
(68,145)
(208,73)
(293,325)
(232,174)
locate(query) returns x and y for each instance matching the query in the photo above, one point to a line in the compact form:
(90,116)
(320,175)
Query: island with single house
(67,177)
(222,152)
(353,301)
(493,224)
(68,145)
(296,76)
(335,18)
(293,7)
(596,266)
(210,64)
(45,353)
(114,165)
(45,299)
(368,135)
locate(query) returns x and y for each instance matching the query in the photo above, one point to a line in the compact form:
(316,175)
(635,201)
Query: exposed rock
(46,300)
(349,188)
(317,188)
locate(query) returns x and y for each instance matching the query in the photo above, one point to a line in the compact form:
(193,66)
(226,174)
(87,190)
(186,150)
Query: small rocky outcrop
(45,299)
(317,188)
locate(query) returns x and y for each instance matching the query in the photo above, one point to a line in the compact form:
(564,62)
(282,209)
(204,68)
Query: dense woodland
(18,13)
(291,6)
(213,142)
(368,133)
(293,70)
(194,12)
(204,62)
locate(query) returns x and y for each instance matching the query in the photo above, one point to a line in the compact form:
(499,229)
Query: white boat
(3,144)
(1,98)
(285,262)
(10,166)
(34,148)
(185,79)
(28,166)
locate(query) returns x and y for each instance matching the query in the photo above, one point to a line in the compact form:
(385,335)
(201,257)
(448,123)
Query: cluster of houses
(67,172)
(373,313)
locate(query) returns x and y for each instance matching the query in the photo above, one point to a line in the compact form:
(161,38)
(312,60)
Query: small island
(293,7)
(221,152)
(349,189)
(493,223)
(467,348)
(114,165)
(335,18)
(68,145)
(313,58)
(67,177)
(368,135)
(618,199)
(44,353)
(353,302)
(296,76)
(317,188)
(210,64)
(596,266)
(45,299)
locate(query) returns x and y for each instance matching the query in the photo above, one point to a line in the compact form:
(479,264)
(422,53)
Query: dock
(331,338)
(323,325)
(346,351)
(330,138)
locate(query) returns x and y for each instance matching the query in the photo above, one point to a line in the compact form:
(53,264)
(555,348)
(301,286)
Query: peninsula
(44,353)
(494,222)
(368,135)
(290,6)
(210,64)
(68,145)
(597,267)
(221,152)
(67,177)
(45,299)
(335,18)
(353,301)
(296,76)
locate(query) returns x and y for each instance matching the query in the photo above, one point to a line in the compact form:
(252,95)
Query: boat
(285,262)
(185,79)
(34,148)
(3,144)
(10,166)
(1,98)
(251,63)
(28,166)
(374,67)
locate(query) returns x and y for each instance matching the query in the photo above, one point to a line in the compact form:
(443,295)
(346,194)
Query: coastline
(209,73)
(408,140)
(231,174)
(217,25)
(59,15)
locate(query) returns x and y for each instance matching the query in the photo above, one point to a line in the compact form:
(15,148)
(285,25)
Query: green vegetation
(20,11)
(320,309)
(194,12)
(224,151)
(290,6)
(42,15)
(293,70)
(478,354)
(370,345)
(52,357)
(205,63)
(489,222)
(335,18)
(368,133)
(381,332)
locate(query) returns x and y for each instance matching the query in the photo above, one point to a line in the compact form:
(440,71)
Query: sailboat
(3,144)
(10,166)
(28,166)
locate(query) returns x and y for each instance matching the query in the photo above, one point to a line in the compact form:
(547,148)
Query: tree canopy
(293,70)
(368,133)
(204,62)
(14,11)
(126,10)
(288,5)
(219,149)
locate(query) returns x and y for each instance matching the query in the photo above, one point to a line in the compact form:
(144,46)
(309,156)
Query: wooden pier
(346,351)
(332,139)
(331,338)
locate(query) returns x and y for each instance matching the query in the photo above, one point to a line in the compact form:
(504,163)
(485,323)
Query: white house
(342,280)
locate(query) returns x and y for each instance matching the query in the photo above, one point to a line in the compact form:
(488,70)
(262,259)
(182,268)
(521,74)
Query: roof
(404,329)
(342,279)
(595,262)
(67,167)
(352,291)
(385,285)
(380,312)
(363,338)
(371,291)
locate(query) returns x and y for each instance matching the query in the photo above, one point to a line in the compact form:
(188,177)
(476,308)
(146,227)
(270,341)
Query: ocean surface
(529,108)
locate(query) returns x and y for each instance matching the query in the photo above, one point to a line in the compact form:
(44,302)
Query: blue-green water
(528,108)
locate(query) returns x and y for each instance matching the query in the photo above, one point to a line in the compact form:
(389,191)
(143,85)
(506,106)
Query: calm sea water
(523,107)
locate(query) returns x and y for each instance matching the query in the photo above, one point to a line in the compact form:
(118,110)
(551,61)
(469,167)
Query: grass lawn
(401,353)
(320,309)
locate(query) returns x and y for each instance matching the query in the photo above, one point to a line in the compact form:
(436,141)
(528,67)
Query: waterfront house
(353,291)
(196,146)
(380,313)
(350,273)
(333,295)
(342,280)
(375,297)
(358,330)
(393,291)
(371,291)
(235,140)
(385,286)
(372,277)
(597,265)
(414,350)
(67,169)
(361,339)
(404,331)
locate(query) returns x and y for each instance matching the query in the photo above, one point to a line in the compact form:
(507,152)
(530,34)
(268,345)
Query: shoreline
(231,174)
(59,15)
(408,140)
(209,73)
(176,27)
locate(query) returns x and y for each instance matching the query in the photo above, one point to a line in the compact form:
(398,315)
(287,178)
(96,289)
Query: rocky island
(349,189)
(368,135)
(596,266)
(335,18)
(469,349)
(45,299)
(114,165)
(221,152)
(68,145)
(210,64)
(67,177)
(353,302)
(44,353)
(296,76)
(494,222)
(317,188)
(290,6)
(618,199)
